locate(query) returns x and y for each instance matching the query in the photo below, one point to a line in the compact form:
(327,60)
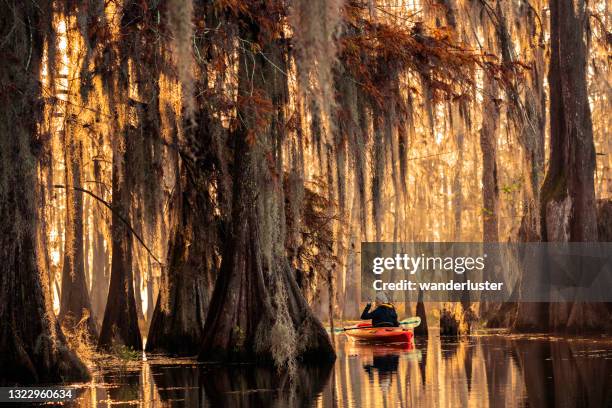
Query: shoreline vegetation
(196,177)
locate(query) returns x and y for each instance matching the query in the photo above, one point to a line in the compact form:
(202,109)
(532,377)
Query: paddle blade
(411,322)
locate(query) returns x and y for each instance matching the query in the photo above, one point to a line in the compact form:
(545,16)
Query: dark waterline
(493,370)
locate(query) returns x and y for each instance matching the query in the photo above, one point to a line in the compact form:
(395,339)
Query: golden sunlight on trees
(196,177)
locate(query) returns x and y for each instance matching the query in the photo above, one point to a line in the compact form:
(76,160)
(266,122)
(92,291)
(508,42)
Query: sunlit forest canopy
(386,123)
(173,140)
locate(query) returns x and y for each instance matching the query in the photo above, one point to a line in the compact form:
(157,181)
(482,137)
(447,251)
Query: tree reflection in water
(479,371)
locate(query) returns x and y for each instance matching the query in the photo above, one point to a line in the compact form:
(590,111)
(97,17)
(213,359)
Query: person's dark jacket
(383,315)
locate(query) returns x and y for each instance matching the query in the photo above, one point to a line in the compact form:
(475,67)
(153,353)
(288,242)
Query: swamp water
(489,370)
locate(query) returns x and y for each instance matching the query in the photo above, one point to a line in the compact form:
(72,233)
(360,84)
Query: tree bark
(490,187)
(454,319)
(527,118)
(180,312)
(137,271)
(378,173)
(422,329)
(568,194)
(604,220)
(33,346)
(75,308)
(100,277)
(257,311)
(120,324)
(488,145)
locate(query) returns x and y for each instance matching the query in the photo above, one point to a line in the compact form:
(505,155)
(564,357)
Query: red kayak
(379,334)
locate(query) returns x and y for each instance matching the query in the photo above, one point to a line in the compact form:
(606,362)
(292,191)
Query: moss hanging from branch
(34,349)
(180,22)
(315,25)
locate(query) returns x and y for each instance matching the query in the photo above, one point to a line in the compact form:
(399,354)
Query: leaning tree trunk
(568,194)
(33,346)
(180,312)
(257,311)
(75,307)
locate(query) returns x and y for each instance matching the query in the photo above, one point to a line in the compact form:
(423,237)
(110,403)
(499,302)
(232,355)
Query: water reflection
(480,371)
(179,385)
(381,362)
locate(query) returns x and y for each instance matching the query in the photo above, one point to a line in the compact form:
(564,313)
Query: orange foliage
(370,47)
(257,109)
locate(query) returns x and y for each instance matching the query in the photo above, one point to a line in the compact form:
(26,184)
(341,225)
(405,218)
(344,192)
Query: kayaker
(383,315)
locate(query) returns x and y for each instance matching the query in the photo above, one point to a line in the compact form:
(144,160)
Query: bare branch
(107,205)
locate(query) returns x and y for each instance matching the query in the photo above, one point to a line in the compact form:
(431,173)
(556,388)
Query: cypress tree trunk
(257,311)
(75,304)
(100,277)
(378,173)
(137,273)
(120,324)
(33,346)
(568,194)
(423,328)
(604,220)
(528,118)
(488,145)
(454,318)
(180,312)
(196,215)
(490,188)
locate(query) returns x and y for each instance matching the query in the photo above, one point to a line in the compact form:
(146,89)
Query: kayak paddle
(412,322)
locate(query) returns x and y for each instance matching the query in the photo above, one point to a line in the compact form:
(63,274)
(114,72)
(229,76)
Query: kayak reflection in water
(386,365)
(384,315)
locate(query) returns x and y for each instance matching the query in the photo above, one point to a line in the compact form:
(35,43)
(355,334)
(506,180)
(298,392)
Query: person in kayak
(383,315)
